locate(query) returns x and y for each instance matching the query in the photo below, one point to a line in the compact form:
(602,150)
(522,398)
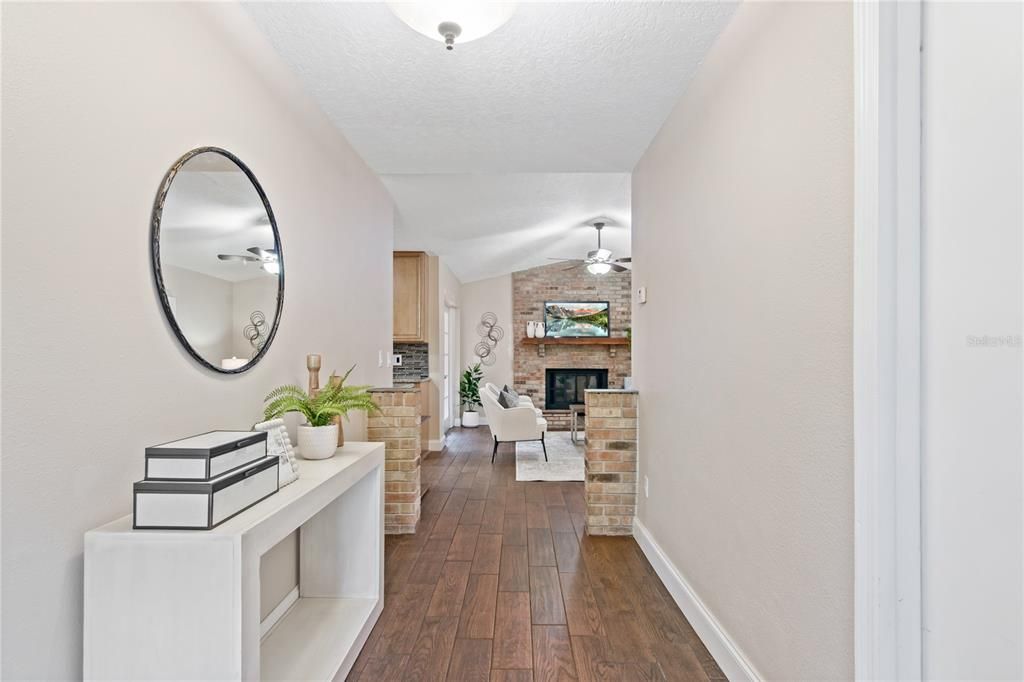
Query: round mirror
(217,260)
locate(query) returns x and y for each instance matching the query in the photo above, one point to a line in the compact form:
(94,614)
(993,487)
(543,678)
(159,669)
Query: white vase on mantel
(538,330)
(531,329)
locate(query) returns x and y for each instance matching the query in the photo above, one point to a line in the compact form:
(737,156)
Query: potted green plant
(469,393)
(318,437)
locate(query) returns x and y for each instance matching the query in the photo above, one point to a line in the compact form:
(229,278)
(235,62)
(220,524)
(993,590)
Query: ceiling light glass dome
(451,21)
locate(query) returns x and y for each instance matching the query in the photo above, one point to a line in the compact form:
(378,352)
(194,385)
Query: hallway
(500,583)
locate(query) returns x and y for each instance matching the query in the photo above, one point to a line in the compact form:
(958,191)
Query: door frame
(451,309)
(887,340)
(447,414)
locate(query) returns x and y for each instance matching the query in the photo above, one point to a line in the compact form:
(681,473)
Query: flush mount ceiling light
(446,20)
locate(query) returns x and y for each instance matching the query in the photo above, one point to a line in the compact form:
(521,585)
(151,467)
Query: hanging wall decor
(256,332)
(490,334)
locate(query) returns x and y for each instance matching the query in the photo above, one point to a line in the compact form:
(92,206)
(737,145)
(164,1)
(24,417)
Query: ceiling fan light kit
(448,20)
(599,261)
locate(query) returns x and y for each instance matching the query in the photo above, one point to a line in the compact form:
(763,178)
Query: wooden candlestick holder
(313,365)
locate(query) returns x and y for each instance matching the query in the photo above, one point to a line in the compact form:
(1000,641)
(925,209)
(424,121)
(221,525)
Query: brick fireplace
(531,359)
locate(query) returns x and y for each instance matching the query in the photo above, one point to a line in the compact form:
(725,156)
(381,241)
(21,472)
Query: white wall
(98,100)
(488,295)
(972,470)
(742,233)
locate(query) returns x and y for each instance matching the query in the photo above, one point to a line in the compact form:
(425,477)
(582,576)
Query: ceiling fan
(599,261)
(267,258)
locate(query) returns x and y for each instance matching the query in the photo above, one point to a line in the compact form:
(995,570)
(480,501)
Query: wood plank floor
(500,583)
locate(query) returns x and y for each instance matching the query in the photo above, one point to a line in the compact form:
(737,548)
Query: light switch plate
(396,360)
(641,295)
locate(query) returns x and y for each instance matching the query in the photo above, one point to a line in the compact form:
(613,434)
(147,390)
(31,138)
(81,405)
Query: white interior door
(446,365)
(971,341)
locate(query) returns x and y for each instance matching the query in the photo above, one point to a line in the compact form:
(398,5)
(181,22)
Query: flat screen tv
(576,319)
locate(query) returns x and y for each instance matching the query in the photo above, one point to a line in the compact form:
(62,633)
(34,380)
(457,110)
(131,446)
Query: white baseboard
(435,445)
(278,613)
(721,647)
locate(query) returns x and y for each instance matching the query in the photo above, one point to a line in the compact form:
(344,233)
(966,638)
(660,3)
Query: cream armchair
(513,424)
(524,401)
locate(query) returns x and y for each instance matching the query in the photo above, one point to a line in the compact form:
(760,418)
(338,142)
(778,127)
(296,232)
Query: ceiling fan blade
(575,265)
(618,268)
(232,256)
(623,260)
(566,260)
(257,251)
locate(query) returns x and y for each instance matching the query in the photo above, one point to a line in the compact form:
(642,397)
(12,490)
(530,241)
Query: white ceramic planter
(471,419)
(318,442)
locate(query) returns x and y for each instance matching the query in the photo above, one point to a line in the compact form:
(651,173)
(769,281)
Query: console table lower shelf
(185,605)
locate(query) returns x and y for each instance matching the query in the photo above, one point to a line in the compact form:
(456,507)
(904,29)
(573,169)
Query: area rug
(565,459)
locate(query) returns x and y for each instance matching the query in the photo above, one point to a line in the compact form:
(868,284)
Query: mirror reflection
(218,260)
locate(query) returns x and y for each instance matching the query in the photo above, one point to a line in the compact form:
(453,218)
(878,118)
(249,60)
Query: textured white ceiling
(487,225)
(574,86)
(493,152)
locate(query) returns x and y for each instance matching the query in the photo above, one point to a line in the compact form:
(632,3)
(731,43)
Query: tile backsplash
(415,364)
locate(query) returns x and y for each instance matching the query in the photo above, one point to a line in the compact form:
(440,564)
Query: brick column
(611,461)
(397,425)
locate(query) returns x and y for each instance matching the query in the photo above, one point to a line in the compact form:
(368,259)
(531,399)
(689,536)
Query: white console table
(184,605)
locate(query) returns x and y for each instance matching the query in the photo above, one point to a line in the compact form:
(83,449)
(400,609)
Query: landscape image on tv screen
(574,319)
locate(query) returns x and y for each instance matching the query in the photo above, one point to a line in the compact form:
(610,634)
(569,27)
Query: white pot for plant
(318,442)
(470,419)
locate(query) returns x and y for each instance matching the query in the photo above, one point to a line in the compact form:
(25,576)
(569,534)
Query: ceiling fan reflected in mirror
(599,261)
(267,258)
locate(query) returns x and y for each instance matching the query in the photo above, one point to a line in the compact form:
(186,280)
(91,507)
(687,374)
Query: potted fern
(318,437)
(469,393)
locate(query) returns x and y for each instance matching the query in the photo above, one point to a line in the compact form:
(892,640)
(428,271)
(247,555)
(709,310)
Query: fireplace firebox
(565,387)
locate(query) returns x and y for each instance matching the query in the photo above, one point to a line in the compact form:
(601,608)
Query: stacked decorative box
(199,482)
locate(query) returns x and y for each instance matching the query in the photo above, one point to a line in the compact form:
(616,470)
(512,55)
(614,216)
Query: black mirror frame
(158,278)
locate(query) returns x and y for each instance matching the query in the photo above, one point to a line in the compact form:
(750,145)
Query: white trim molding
(279,612)
(887,340)
(720,645)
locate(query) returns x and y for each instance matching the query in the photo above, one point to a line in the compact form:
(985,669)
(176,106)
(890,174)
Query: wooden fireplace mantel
(612,342)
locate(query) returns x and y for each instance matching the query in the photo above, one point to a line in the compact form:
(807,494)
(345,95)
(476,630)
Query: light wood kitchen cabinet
(410,297)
